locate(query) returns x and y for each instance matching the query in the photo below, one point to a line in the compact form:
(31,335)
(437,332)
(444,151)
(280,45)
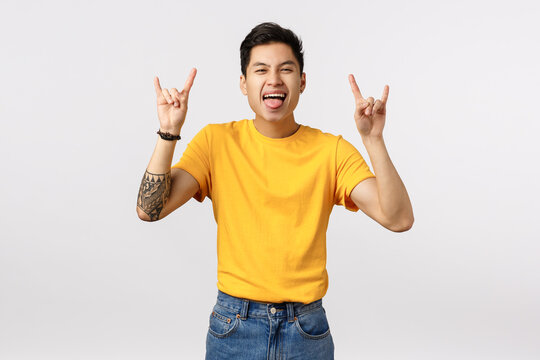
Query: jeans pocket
(222,322)
(313,324)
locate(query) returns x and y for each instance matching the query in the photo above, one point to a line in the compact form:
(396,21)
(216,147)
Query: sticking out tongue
(273,103)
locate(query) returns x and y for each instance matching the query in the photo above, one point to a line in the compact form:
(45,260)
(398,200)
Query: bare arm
(163,190)
(384,198)
(158,199)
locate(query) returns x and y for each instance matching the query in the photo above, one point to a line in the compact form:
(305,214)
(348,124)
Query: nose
(274,78)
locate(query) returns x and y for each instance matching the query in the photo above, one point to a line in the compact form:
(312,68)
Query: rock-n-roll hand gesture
(369,114)
(172,106)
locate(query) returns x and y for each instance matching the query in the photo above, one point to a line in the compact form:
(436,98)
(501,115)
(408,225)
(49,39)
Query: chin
(274,117)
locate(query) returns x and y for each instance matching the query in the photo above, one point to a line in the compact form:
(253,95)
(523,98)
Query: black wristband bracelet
(168,136)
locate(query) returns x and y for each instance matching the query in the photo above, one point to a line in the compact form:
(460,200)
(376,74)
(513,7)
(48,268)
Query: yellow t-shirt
(272,199)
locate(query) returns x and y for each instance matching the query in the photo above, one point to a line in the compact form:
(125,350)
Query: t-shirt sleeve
(351,169)
(196,161)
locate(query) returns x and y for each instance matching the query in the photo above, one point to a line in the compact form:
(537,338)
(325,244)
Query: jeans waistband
(249,308)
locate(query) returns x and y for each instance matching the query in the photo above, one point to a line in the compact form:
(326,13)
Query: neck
(276,129)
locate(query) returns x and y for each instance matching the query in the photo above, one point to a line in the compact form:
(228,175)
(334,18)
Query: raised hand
(172,106)
(369,114)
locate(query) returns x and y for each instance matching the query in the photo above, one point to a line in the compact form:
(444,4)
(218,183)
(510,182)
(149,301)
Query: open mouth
(274,100)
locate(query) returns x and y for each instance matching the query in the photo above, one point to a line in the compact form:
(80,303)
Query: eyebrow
(288,62)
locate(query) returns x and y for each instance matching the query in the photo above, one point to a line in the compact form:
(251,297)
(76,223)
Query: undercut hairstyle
(266,33)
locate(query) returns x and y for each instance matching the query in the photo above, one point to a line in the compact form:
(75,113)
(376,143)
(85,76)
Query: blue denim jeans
(245,329)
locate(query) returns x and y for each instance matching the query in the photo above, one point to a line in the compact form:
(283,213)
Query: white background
(81,277)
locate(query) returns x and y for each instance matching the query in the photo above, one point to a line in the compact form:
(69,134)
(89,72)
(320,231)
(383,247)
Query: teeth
(274,96)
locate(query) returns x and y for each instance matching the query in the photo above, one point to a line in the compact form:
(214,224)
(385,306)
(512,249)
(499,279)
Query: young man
(273,184)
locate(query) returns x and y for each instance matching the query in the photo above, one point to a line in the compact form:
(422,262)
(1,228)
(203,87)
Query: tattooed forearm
(154,193)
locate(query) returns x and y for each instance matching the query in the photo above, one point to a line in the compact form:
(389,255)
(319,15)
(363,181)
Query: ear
(303,82)
(243,86)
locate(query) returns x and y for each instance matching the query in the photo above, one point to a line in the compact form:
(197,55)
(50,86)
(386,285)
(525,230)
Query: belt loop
(245,306)
(290,312)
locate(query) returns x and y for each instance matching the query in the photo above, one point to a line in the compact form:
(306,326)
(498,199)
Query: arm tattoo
(154,193)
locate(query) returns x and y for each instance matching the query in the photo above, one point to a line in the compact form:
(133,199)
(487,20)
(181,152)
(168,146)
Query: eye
(287,69)
(260,70)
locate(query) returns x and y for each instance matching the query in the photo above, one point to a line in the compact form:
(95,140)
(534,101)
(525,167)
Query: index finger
(157,86)
(385,94)
(354,88)
(189,81)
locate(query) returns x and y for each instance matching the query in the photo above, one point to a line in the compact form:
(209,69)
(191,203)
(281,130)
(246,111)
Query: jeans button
(273,310)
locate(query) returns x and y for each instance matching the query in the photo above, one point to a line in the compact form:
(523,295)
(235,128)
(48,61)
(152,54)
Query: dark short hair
(269,32)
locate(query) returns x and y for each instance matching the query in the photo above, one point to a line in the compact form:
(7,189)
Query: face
(273,82)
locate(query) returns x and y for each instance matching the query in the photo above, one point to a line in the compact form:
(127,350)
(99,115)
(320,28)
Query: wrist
(165,135)
(372,139)
(172,131)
